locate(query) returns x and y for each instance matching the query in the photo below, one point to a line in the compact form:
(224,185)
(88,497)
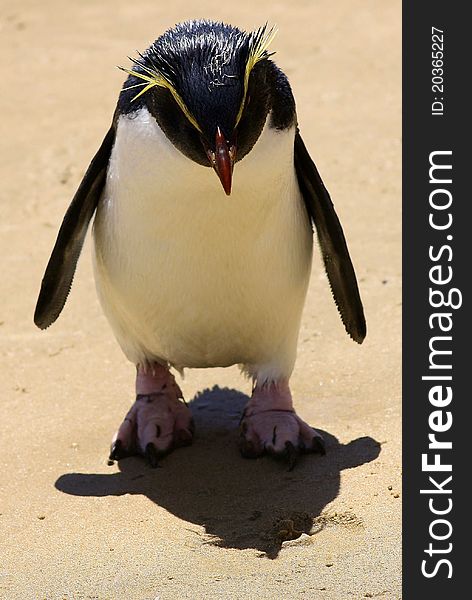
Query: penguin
(205,199)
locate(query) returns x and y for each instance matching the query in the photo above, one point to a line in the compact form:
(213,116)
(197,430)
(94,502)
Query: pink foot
(157,422)
(270,424)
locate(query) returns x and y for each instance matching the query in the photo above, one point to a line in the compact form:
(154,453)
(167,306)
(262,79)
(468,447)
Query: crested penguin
(187,276)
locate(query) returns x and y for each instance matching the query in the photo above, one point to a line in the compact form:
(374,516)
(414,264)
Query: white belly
(190,276)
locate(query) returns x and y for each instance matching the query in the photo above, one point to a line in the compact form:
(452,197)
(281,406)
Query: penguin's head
(208,85)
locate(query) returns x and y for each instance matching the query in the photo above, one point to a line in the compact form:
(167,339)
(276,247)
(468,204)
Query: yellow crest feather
(260,41)
(153,78)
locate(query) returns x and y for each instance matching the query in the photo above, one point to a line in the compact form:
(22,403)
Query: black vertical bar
(443,127)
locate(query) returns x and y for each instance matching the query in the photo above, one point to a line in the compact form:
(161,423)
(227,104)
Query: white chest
(189,275)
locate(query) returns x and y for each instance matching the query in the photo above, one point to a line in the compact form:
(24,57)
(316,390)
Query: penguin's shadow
(241,503)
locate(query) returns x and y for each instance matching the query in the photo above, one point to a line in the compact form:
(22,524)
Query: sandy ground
(208,524)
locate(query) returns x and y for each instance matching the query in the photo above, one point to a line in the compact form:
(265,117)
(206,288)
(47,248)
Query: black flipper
(57,279)
(337,261)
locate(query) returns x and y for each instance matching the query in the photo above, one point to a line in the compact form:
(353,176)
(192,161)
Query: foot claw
(270,425)
(116,451)
(318,445)
(291,453)
(157,422)
(152,455)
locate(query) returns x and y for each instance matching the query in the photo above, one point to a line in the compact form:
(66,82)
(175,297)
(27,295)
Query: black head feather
(205,64)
